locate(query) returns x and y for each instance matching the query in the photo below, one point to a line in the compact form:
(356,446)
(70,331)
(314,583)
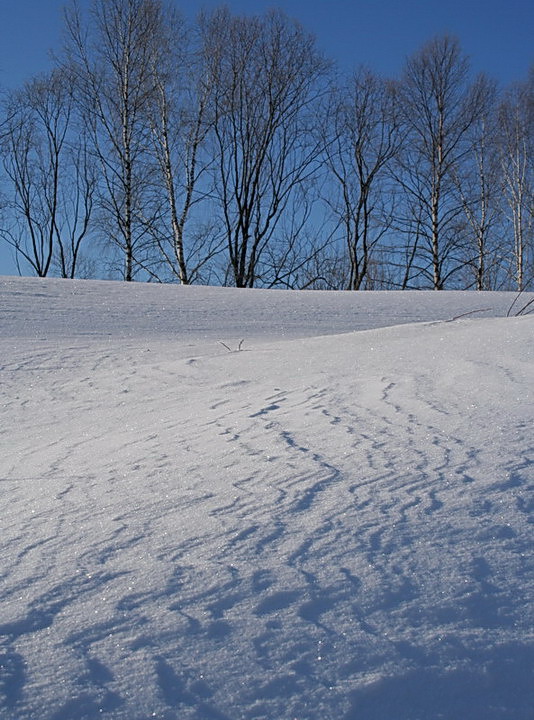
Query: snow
(333,523)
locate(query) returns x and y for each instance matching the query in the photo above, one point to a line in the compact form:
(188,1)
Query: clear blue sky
(498,35)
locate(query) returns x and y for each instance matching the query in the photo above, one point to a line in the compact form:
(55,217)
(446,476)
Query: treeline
(232,152)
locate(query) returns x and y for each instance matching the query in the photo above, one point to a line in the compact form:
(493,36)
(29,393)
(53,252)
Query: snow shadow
(12,678)
(500,688)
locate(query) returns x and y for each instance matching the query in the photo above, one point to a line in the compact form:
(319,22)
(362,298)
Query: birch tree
(479,187)
(517,149)
(110,59)
(439,106)
(180,124)
(364,139)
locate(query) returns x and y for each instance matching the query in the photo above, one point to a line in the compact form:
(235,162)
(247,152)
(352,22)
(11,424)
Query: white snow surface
(333,523)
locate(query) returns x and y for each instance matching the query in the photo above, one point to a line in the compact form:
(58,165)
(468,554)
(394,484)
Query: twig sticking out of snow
(522,310)
(471,312)
(238,349)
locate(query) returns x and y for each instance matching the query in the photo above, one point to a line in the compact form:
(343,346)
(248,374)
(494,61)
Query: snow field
(317,527)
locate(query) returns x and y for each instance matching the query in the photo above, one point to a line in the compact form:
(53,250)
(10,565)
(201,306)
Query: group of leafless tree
(232,152)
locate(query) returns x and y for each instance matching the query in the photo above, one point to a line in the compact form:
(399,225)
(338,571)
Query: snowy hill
(331,524)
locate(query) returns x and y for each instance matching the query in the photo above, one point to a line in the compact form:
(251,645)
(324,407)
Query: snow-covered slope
(332,523)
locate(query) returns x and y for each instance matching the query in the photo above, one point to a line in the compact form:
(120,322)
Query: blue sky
(498,35)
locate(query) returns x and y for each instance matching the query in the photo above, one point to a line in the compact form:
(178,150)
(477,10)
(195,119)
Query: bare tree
(439,106)
(479,187)
(293,258)
(517,150)
(50,175)
(78,213)
(180,124)
(264,73)
(30,228)
(110,59)
(365,138)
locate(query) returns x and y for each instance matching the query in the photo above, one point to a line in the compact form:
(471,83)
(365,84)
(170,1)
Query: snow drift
(331,523)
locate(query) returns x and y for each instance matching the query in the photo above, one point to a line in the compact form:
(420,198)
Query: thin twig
(239,347)
(471,312)
(522,311)
(514,302)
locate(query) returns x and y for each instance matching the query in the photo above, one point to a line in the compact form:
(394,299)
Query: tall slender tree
(110,59)
(265,77)
(517,161)
(51,177)
(479,187)
(180,124)
(364,139)
(439,107)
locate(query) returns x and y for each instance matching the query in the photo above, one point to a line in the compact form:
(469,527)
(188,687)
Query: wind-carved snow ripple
(329,548)
(337,598)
